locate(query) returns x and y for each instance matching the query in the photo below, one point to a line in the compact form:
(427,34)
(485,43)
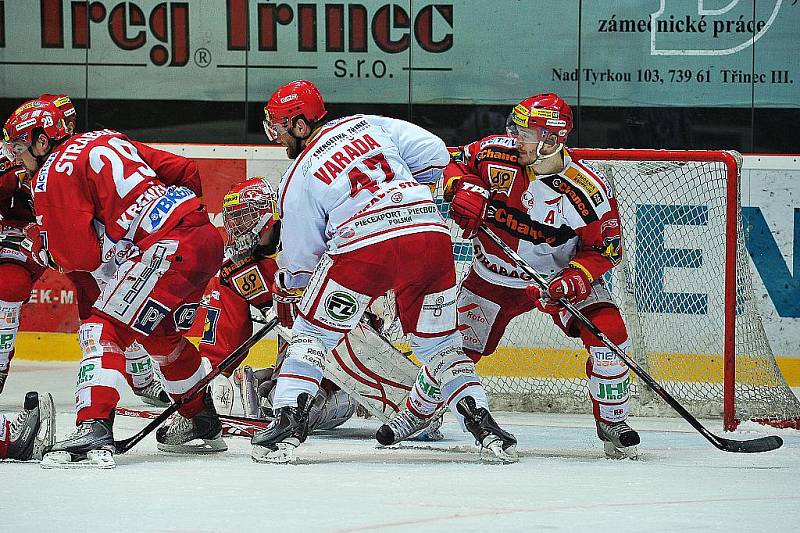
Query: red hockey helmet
(20,126)
(539,116)
(249,209)
(295,99)
(64,104)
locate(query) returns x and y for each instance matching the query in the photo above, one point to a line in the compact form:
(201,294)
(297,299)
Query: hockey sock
(182,368)
(609,376)
(9,326)
(101,376)
(5,436)
(425,396)
(301,371)
(139,367)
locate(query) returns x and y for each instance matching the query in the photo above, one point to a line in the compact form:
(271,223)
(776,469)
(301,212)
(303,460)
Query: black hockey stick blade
(232,361)
(761,444)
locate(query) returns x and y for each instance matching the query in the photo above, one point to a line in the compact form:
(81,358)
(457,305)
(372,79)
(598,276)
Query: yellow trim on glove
(582,268)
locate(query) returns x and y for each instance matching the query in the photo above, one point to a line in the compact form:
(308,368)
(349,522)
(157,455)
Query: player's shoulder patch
(501,177)
(249,282)
(587,181)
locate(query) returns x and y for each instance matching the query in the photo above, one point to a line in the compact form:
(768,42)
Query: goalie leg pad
(301,371)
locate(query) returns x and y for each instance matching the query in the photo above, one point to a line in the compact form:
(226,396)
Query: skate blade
(427,436)
(198,446)
(493,453)
(612,452)
(47,431)
(97,459)
(283,455)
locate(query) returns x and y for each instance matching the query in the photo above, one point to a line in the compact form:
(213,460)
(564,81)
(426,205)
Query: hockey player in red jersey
(20,270)
(119,209)
(354,204)
(561,216)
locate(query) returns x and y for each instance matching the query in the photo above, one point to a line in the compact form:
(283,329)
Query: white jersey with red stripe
(569,218)
(360,180)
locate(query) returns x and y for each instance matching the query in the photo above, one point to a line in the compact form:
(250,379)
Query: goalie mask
(249,212)
(536,119)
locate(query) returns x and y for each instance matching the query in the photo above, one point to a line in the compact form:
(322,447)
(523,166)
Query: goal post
(685,289)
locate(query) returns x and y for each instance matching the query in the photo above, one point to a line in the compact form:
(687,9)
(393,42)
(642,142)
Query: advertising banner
(731,53)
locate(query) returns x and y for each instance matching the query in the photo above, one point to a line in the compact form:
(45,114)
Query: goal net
(685,290)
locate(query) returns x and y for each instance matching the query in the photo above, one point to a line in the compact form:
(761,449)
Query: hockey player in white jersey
(358,220)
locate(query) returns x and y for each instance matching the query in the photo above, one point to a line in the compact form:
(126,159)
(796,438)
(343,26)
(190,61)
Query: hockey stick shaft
(762,444)
(232,361)
(232,425)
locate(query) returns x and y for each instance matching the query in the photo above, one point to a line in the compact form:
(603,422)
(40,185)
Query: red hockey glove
(542,301)
(34,245)
(572,284)
(468,208)
(285,300)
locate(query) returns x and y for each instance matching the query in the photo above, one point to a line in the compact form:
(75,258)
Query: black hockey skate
(3,377)
(33,428)
(497,444)
(405,425)
(91,445)
(276,443)
(619,440)
(200,434)
(154,394)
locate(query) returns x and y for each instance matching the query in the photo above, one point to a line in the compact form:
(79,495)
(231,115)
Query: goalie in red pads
(561,217)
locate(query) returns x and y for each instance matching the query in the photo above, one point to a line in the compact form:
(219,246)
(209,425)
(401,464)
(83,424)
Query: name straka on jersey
(75,147)
(523,227)
(330,169)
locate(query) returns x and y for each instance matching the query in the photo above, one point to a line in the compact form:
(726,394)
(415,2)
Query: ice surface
(344,483)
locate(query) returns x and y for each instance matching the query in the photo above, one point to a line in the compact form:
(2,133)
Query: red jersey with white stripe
(99,192)
(553,221)
(359,181)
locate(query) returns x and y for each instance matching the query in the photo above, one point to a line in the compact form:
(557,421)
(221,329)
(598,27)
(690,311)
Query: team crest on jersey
(501,178)
(250,283)
(210,326)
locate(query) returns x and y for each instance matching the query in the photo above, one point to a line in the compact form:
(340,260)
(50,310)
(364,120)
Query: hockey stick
(761,444)
(232,361)
(232,425)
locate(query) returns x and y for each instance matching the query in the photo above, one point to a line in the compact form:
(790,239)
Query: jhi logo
(128,25)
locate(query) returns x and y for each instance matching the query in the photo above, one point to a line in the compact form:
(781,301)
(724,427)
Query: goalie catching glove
(572,285)
(468,203)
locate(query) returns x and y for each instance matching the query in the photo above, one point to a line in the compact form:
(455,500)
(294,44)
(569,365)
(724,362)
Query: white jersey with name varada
(360,180)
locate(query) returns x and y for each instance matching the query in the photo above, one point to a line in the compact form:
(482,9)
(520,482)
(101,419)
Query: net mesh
(670,288)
